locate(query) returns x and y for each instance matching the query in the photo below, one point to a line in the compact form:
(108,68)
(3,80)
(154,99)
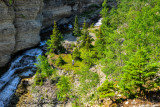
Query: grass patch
(68,65)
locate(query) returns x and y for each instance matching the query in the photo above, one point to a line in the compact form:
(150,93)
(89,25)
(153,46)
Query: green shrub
(38,80)
(92,25)
(60,61)
(107,89)
(10,2)
(88,57)
(43,66)
(64,87)
(43,70)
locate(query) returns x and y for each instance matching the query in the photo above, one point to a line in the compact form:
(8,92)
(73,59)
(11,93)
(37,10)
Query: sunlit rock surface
(21,21)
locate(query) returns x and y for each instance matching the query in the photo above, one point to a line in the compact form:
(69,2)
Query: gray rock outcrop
(28,17)
(7,33)
(22,20)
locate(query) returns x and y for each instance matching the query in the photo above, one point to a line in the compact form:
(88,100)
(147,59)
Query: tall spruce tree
(76,30)
(100,44)
(85,38)
(88,43)
(139,74)
(54,43)
(104,11)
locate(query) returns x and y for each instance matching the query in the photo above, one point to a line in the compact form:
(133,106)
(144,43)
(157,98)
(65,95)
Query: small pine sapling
(60,61)
(107,90)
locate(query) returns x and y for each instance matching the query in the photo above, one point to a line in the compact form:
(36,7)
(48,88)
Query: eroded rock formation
(22,20)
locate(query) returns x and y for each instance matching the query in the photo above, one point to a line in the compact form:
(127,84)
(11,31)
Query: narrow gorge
(79,53)
(22,20)
(21,24)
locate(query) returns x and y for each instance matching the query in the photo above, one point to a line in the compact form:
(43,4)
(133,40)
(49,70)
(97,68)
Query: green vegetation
(68,62)
(100,45)
(126,46)
(10,2)
(130,39)
(64,87)
(54,44)
(88,79)
(43,70)
(107,89)
(76,30)
(87,90)
(60,61)
(139,74)
(85,37)
(88,57)
(76,54)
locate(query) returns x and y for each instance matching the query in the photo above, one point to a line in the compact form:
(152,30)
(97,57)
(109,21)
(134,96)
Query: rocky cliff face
(58,9)
(21,21)
(28,17)
(7,33)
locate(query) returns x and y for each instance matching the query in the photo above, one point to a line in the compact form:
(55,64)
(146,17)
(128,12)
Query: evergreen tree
(76,30)
(60,61)
(88,43)
(43,66)
(105,28)
(105,16)
(129,33)
(100,44)
(107,89)
(43,70)
(76,54)
(85,37)
(104,11)
(88,56)
(139,74)
(54,44)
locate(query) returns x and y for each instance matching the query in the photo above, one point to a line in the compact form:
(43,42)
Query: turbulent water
(99,22)
(22,66)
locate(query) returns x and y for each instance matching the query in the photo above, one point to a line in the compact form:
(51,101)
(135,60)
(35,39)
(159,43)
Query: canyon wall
(22,20)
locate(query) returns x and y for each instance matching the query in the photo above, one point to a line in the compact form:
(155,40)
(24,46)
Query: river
(22,67)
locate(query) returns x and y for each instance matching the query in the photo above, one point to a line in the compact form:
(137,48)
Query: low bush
(64,87)
(60,61)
